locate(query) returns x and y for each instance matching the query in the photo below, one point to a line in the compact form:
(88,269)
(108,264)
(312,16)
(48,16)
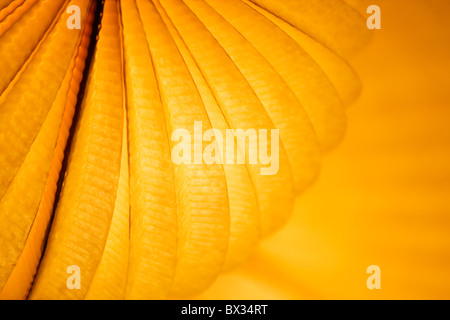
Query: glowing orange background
(383,196)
